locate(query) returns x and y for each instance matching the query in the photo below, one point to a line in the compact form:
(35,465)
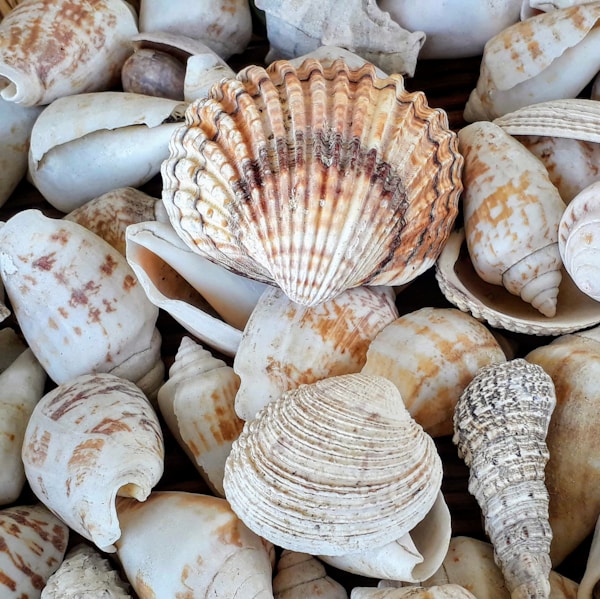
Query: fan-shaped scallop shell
(334,467)
(317,179)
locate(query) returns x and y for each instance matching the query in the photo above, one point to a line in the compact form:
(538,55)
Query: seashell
(34,542)
(223,25)
(444,591)
(85,573)
(4,310)
(51,49)
(86,145)
(591,575)
(453,30)
(507,470)
(301,576)
(530,62)
(77,301)
(200,549)
(431,355)
(414,556)
(6,6)
(573,472)
(350,437)
(16,123)
(533,7)
(463,287)
(285,345)
(362,27)
(21,387)
(109,215)
(87,442)
(579,240)
(209,301)
(197,403)
(511,216)
(289,196)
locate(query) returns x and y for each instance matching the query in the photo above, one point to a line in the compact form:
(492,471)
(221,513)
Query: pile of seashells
(304,196)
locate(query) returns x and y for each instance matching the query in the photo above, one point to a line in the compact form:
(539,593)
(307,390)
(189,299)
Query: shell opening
(132,490)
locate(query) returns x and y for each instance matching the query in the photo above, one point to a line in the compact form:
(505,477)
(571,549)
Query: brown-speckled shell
(318,179)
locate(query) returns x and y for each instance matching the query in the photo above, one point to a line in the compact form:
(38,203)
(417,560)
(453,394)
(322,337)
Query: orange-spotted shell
(317,179)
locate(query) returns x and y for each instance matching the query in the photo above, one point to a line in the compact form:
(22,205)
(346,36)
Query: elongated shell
(87,442)
(349,437)
(501,421)
(302,177)
(54,49)
(285,345)
(177,544)
(197,403)
(444,591)
(511,215)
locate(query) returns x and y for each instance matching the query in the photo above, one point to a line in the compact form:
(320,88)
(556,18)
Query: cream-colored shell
(178,544)
(501,421)
(591,574)
(50,49)
(445,591)
(6,6)
(285,344)
(334,467)
(197,403)
(511,216)
(88,441)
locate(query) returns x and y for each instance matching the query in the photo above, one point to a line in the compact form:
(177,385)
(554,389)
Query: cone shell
(501,421)
(334,467)
(316,179)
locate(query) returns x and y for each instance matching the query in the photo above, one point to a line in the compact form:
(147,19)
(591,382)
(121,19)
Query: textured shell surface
(178,544)
(54,48)
(444,591)
(333,467)
(34,542)
(511,215)
(431,355)
(317,179)
(285,344)
(501,421)
(88,441)
(197,403)
(529,61)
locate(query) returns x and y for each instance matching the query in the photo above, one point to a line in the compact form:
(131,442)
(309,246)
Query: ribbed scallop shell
(501,421)
(334,467)
(317,179)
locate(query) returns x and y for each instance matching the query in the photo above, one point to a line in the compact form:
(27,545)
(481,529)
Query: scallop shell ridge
(317,179)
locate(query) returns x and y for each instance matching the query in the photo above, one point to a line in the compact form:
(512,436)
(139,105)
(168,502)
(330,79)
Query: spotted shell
(317,179)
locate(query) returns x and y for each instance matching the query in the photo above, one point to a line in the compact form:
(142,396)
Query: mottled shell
(444,591)
(301,177)
(431,355)
(88,441)
(511,216)
(50,49)
(179,544)
(285,344)
(501,421)
(334,467)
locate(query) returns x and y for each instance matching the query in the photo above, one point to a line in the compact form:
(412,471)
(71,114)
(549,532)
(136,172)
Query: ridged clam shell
(501,421)
(317,179)
(334,467)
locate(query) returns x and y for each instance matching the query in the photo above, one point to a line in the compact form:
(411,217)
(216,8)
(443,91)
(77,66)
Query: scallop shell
(285,345)
(501,421)
(272,178)
(87,442)
(334,467)
(444,591)
(511,216)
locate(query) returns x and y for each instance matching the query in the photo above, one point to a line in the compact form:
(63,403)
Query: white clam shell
(444,591)
(88,144)
(179,544)
(88,441)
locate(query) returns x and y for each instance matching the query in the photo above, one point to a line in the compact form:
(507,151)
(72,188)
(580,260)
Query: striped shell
(317,179)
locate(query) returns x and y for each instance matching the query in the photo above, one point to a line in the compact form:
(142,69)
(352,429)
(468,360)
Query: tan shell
(285,344)
(334,467)
(501,421)
(591,576)
(309,202)
(445,591)
(6,6)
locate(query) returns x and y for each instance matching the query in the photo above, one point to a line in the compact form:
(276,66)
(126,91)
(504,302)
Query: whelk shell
(302,177)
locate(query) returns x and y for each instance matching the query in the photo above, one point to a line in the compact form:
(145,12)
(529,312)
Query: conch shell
(268,178)
(88,441)
(501,421)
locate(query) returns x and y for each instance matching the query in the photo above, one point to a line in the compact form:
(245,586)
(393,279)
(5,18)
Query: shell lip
(462,287)
(19,87)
